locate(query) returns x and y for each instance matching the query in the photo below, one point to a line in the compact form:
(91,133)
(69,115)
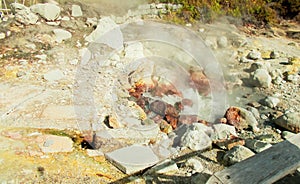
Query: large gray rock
(61,35)
(222,42)
(195,138)
(48,11)
(23,14)
(260,78)
(133,158)
(290,121)
(237,154)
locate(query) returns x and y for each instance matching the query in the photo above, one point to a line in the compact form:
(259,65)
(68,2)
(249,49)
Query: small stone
(61,35)
(274,55)
(237,154)
(271,102)
(290,121)
(222,42)
(53,75)
(48,11)
(76,11)
(287,134)
(20,74)
(260,78)
(256,145)
(194,164)
(254,55)
(132,159)
(2,36)
(55,144)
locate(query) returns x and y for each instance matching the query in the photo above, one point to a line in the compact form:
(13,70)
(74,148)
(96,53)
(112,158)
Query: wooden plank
(265,167)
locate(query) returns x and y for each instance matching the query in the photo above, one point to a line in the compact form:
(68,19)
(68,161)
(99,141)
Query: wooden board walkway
(263,168)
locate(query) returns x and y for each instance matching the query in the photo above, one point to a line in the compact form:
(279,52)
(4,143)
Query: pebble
(20,74)
(237,154)
(244,59)
(76,11)
(254,55)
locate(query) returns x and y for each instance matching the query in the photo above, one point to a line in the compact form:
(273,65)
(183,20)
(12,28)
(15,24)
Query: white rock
(223,131)
(55,144)
(195,139)
(2,36)
(194,164)
(61,35)
(274,55)
(48,11)
(53,75)
(261,78)
(107,32)
(23,14)
(76,11)
(132,159)
(254,55)
(271,101)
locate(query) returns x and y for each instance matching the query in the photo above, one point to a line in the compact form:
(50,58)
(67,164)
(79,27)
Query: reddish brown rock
(199,80)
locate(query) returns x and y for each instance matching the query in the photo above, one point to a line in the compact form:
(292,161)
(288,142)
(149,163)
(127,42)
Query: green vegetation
(258,12)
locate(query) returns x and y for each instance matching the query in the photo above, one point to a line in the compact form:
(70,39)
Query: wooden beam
(265,167)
